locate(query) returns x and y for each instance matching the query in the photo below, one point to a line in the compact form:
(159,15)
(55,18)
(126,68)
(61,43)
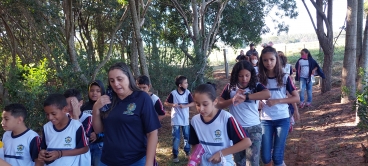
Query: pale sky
(303,24)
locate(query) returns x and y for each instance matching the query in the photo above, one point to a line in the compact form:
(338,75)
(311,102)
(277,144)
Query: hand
(76,109)
(239,97)
(272,102)
(182,106)
(42,155)
(103,100)
(93,137)
(296,116)
(216,158)
(261,104)
(52,155)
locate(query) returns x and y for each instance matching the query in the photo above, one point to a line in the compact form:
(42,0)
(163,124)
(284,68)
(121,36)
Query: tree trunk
(134,58)
(359,55)
(348,85)
(69,33)
(138,38)
(363,62)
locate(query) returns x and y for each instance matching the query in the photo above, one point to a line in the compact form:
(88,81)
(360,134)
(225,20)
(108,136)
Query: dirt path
(326,133)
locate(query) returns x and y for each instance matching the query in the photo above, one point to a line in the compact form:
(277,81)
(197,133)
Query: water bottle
(108,93)
(196,156)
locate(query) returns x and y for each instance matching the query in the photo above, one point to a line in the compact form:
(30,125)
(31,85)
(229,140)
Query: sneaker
(175,160)
(301,105)
(308,104)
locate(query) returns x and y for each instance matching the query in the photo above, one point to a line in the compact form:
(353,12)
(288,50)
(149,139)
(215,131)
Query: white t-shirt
(304,68)
(71,137)
(180,116)
(19,150)
(278,111)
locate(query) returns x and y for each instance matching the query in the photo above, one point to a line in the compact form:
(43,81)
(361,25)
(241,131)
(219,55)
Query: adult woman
(130,124)
(305,67)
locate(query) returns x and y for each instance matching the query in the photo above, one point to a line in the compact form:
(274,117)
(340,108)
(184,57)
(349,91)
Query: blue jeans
(304,85)
(140,162)
(96,151)
(176,139)
(276,131)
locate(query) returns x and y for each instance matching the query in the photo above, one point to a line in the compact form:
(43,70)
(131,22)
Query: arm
(261,95)
(294,98)
(152,140)
(159,109)
(96,118)
(81,144)
(3,163)
(296,112)
(224,99)
(190,102)
(170,101)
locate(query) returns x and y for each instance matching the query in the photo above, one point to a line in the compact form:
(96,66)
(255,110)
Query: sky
(303,24)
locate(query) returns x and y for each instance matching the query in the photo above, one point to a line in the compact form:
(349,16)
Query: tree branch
(310,16)
(182,13)
(320,12)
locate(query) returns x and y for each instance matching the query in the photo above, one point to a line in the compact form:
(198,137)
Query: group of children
(258,121)
(256,126)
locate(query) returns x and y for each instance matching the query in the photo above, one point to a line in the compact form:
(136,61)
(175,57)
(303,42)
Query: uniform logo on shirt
(131,107)
(218,135)
(20,149)
(68,140)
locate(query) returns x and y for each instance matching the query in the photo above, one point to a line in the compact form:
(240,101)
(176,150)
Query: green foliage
(361,106)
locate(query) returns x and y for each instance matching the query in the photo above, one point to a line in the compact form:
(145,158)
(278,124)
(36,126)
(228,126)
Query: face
(205,106)
(253,58)
(9,122)
(302,53)
(241,52)
(252,47)
(70,107)
(144,87)
(184,84)
(244,78)
(56,116)
(94,92)
(119,82)
(269,60)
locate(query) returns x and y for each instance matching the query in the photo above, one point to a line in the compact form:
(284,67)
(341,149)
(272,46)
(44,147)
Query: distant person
(254,60)
(180,100)
(240,56)
(251,50)
(270,44)
(305,67)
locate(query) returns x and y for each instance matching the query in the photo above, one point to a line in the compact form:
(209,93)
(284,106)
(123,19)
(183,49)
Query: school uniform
(125,128)
(22,149)
(157,104)
(72,136)
(180,119)
(218,134)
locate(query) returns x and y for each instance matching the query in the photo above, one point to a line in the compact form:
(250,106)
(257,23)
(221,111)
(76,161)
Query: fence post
(226,65)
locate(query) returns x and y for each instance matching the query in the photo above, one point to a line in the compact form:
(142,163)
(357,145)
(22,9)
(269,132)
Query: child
(275,119)
(64,141)
(293,108)
(21,144)
(254,61)
(242,95)
(215,129)
(180,100)
(95,90)
(74,101)
(144,84)
(305,67)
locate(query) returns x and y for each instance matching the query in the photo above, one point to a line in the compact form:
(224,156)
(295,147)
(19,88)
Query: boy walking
(144,84)
(180,100)
(64,141)
(21,144)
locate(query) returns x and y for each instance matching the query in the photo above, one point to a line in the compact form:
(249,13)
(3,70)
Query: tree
(348,84)
(325,36)
(362,62)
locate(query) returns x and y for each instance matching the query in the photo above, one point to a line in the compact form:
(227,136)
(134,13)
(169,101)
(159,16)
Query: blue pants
(176,139)
(274,134)
(96,151)
(304,84)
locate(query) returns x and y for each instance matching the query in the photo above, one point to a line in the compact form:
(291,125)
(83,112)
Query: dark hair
(307,51)
(235,73)
(244,58)
(251,44)
(255,54)
(16,110)
(278,68)
(73,93)
(209,89)
(283,58)
(57,100)
(126,70)
(143,80)
(179,80)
